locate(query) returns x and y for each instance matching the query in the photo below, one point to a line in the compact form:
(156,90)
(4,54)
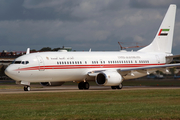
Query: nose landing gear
(27,88)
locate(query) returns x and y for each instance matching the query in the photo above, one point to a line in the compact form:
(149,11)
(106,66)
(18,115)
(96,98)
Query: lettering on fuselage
(60,58)
(129,57)
(54,58)
(120,60)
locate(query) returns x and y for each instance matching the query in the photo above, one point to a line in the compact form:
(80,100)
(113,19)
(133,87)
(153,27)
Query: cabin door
(158,59)
(41,63)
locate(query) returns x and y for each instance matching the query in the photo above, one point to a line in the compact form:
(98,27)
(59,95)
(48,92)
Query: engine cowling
(109,78)
(51,83)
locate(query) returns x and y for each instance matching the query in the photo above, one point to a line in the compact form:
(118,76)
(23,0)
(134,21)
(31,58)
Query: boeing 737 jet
(106,68)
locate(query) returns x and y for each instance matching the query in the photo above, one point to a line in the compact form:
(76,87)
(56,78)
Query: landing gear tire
(113,87)
(120,86)
(80,85)
(83,85)
(27,88)
(86,85)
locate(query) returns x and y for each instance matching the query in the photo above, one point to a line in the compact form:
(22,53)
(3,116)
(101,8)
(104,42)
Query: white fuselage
(74,66)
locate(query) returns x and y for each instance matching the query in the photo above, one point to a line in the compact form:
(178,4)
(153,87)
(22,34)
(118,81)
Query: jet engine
(109,78)
(51,83)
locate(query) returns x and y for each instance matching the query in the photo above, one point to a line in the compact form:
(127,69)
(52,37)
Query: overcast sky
(82,24)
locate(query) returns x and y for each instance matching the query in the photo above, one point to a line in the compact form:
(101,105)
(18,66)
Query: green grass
(117,104)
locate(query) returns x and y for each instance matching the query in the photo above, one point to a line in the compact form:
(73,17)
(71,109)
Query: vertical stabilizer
(164,37)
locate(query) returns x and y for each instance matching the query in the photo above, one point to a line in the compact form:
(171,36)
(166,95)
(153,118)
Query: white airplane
(106,68)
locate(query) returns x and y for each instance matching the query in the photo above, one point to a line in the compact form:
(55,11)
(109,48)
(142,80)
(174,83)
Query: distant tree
(56,49)
(45,49)
(33,50)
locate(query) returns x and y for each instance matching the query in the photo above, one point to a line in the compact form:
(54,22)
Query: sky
(82,24)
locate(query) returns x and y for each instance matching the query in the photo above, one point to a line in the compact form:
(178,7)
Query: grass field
(117,104)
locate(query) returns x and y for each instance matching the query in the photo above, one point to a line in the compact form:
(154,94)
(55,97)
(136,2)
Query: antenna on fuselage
(90,50)
(28,51)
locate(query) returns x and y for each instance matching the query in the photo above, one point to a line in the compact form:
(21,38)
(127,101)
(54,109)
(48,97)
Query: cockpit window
(24,62)
(20,62)
(17,62)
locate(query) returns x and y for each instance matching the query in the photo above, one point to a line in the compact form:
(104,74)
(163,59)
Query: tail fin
(164,37)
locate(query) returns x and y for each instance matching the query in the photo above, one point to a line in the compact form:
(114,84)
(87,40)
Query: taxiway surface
(73,88)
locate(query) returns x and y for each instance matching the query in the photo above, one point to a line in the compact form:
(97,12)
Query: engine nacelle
(109,78)
(51,83)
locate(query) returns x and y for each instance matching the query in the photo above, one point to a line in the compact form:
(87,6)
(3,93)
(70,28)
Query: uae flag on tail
(163,32)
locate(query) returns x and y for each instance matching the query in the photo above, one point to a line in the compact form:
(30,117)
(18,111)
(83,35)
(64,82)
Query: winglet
(28,51)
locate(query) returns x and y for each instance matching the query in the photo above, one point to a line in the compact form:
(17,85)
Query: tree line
(50,49)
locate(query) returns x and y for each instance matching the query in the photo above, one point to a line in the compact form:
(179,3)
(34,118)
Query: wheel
(27,88)
(86,85)
(113,87)
(117,87)
(80,85)
(83,85)
(120,86)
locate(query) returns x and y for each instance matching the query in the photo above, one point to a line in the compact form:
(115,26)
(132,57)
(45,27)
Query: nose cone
(9,71)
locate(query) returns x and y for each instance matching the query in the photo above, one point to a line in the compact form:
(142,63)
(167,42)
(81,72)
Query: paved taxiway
(73,88)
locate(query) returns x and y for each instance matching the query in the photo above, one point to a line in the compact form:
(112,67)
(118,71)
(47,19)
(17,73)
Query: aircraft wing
(124,71)
(173,56)
(95,73)
(151,67)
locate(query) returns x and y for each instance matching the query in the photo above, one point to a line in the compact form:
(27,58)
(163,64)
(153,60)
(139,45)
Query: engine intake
(109,78)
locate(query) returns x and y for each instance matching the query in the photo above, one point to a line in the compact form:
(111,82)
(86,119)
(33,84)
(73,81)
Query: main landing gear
(27,88)
(120,86)
(83,85)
